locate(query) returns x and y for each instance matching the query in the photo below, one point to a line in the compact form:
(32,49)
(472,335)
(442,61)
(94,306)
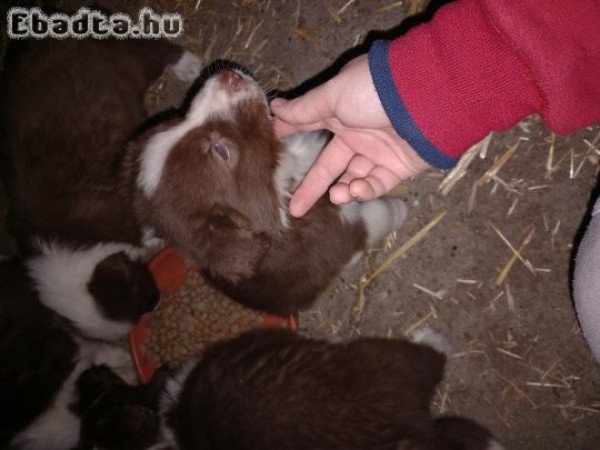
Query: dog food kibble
(193,316)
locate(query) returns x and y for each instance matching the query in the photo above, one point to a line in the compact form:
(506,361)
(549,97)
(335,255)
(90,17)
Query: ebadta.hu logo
(23,23)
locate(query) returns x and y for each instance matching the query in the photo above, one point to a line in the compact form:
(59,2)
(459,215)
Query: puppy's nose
(231,79)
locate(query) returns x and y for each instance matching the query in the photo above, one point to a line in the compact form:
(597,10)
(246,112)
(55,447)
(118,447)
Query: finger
(339,194)
(359,167)
(283,129)
(378,182)
(332,162)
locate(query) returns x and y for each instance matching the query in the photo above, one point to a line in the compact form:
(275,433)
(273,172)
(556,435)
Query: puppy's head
(123,288)
(207,180)
(102,290)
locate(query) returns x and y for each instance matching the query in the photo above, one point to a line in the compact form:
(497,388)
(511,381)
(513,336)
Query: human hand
(366,153)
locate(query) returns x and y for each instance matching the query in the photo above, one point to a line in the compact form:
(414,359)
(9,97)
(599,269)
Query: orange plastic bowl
(168,270)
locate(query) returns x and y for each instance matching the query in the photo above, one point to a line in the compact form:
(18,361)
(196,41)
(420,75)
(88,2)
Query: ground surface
(519,362)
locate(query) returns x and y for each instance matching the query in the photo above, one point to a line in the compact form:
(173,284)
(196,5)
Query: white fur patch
(61,276)
(494,445)
(58,427)
(432,338)
(168,400)
(299,154)
(211,101)
(150,240)
(381,217)
(355,258)
(188,67)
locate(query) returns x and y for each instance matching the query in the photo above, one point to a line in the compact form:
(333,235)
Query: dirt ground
(519,362)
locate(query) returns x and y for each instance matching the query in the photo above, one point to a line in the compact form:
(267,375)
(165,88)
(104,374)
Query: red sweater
(483,65)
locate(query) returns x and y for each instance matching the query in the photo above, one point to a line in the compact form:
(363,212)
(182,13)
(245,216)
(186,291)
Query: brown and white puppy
(216,185)
(68,108)
(42,358)
(277,390)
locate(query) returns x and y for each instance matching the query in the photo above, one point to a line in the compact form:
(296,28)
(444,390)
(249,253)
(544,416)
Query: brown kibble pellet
(193,317)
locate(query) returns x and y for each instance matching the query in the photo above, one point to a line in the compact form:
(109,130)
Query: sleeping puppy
(216,184)
(68,108)
(43,354)
(276,390)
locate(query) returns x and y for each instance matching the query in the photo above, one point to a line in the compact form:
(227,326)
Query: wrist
(398,114)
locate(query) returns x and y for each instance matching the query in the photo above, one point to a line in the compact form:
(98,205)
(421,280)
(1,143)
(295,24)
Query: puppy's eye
(219,149)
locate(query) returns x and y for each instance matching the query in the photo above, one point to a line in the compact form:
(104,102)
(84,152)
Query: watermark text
(23,23)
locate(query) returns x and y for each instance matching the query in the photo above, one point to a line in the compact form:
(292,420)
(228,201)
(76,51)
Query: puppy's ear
(235,248)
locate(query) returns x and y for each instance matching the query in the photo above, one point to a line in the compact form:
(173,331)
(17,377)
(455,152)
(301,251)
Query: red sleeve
(483,65)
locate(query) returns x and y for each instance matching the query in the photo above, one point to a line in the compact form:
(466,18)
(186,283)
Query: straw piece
(507,353)
(550,159)
(512,207)
(249,40)
(458,172)
(472,198)
(401,250)
(305,34)
(544,385)
(519,392)
(389,7)
(487,176)
(334,14)
(516,254)
(510,301)
(343,9)
(438,295)
(418,323)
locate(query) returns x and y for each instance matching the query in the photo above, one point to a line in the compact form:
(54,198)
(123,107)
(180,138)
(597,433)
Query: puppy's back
(68,107)
(278,390)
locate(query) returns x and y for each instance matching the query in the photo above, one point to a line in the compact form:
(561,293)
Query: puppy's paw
(428,336)
(188,67)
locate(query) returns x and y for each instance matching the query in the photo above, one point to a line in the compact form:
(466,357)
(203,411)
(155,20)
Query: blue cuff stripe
(393,105)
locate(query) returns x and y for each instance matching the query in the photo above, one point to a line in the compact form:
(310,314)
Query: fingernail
(277,102)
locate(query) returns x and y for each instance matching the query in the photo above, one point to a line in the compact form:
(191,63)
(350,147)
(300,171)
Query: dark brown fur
(68,108)
(223,214)
(300,264)
(123,288)
(276,390)
(37,352)
(115,415)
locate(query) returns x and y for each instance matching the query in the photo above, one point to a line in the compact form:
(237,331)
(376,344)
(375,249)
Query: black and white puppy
(45,350)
